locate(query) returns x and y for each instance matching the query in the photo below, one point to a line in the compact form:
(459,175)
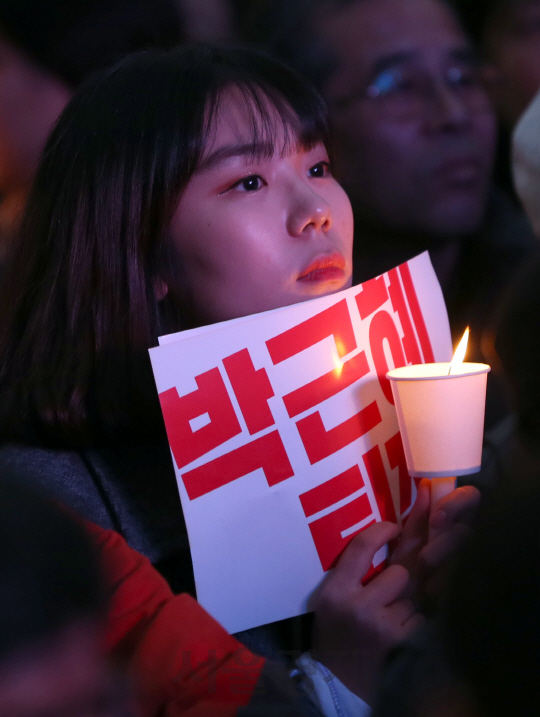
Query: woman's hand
(430,538)
(356,626)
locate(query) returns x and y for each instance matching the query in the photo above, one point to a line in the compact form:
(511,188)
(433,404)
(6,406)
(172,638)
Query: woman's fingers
(356,626)
(459,506)
(358,555)
(415,532)
(405,620)
(443,547)
(386,587)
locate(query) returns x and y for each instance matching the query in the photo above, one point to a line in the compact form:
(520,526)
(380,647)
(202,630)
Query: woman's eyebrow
(228,151)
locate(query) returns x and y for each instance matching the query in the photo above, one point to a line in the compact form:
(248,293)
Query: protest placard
(284,436)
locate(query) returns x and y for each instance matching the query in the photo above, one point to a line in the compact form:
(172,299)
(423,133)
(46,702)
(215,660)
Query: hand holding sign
(430,539)
(285,440)
(356,626)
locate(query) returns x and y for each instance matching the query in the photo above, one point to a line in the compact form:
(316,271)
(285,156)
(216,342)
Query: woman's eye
(249,184)
(320,170)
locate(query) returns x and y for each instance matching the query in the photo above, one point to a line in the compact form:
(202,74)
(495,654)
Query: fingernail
(438,519)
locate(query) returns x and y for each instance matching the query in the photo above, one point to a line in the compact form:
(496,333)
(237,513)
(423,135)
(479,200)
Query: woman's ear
(161,289)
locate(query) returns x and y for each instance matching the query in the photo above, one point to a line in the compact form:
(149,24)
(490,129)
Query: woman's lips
(330,267)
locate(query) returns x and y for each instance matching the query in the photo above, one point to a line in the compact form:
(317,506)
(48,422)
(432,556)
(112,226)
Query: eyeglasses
(409,92)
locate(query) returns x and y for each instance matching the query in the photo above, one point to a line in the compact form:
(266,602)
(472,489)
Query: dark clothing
(133,491)
(484,265)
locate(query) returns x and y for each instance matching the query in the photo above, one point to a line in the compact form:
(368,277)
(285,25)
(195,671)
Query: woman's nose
(308,212)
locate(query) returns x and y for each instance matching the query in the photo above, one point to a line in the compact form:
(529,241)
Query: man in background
(415,140)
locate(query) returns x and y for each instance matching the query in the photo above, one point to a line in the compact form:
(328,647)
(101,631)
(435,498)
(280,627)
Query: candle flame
(460,351)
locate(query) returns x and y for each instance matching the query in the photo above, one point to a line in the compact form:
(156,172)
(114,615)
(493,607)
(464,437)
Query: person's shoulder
(61,474)
(34,461)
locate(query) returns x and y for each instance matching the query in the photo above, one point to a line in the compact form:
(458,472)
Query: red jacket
(182,661)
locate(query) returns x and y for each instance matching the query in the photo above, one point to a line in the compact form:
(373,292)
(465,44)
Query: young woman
(177,189)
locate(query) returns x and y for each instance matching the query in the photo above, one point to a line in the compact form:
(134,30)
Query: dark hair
(294,32)
(49,572)
(288,31)
(476,15)
(79,307)
(73,38)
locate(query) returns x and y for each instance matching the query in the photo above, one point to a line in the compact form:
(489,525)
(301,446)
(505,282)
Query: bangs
(276,122)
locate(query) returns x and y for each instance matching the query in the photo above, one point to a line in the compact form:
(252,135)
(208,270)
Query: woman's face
(257,232)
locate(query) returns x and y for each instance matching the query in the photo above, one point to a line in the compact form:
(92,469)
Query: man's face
(415,133)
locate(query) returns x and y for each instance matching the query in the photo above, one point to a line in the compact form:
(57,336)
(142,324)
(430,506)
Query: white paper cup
(441,417)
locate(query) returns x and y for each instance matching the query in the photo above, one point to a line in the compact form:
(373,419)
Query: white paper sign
(284,436)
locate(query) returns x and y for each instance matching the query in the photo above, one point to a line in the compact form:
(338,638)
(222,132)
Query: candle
(440,409)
